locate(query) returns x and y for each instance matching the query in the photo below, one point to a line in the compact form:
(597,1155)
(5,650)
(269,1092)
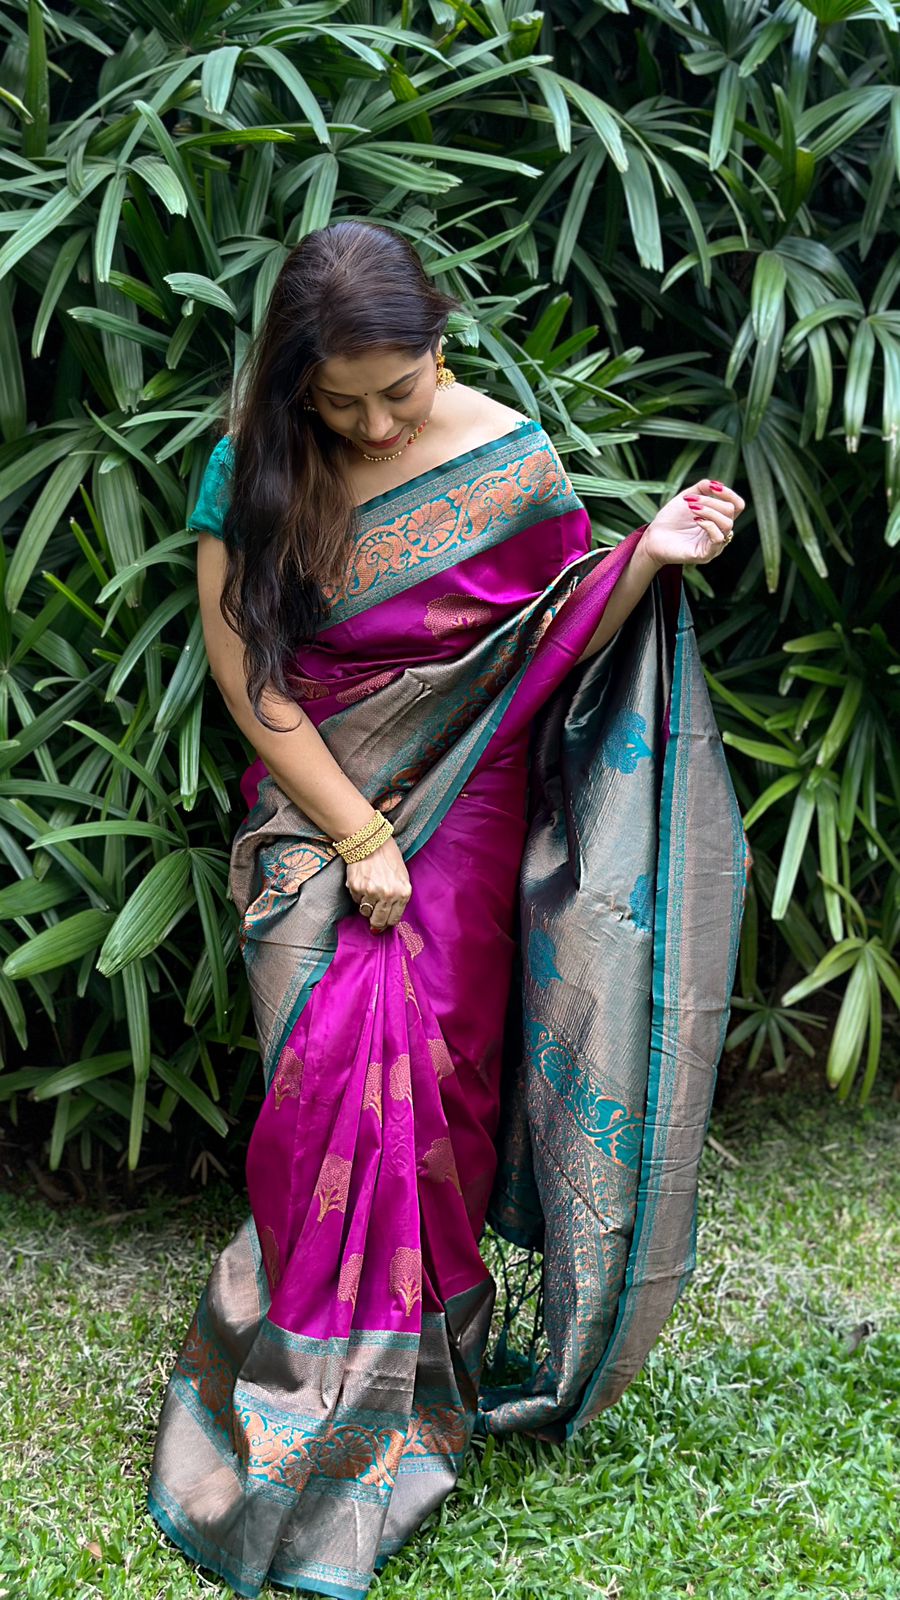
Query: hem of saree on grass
(578,1155)
(349,1486)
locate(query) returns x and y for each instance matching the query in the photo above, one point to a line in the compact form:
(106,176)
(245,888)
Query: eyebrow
(339,396)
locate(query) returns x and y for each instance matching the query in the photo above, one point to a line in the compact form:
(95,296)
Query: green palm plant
(672,233)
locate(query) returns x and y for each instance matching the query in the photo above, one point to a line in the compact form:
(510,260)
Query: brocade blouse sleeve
(209,513)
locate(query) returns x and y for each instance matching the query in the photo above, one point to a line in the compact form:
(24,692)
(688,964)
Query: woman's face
(375,400)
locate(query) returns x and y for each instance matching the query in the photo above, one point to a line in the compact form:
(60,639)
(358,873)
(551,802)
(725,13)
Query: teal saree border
(242,1583)
(422,479)
(245,1583)
(667,877)
(555,499)
(625,1309)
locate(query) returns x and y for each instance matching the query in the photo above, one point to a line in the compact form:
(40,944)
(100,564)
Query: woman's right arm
(298,758)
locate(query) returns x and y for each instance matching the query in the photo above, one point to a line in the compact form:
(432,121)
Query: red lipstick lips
(383,444)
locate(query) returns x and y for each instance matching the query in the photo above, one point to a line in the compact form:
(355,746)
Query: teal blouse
(208,514)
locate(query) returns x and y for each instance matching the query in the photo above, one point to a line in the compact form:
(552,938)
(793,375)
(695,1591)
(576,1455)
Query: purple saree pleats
(305,1435)
(535,1042)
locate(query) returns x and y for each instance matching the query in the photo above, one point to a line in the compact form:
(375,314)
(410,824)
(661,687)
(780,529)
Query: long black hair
(345,289)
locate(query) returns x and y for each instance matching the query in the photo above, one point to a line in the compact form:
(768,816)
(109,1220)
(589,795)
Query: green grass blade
(47,217)
(850,1029)
(79,1073)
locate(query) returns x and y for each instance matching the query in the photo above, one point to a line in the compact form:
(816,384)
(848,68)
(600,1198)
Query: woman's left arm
(693,528)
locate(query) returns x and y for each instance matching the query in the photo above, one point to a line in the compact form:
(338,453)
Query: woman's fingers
(717,536)
(721,491)
(387,914)
(712,511)
(378,919)
(714,516)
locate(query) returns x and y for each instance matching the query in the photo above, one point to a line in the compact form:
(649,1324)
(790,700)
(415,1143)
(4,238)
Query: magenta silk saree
(533,1046)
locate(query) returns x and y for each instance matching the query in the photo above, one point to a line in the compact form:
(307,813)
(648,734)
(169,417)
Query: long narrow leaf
(53,500)
(792,852)
(58,946)
(149,914)
(191,1094)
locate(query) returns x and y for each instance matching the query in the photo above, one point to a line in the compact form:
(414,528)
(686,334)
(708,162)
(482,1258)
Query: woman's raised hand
(382,882)
(695,526)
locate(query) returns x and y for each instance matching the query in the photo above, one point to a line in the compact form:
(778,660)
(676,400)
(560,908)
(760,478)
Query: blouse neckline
(524,425)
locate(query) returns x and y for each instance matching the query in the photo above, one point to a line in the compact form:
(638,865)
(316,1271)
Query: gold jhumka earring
(445,378)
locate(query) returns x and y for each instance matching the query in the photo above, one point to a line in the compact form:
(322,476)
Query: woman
(490,828)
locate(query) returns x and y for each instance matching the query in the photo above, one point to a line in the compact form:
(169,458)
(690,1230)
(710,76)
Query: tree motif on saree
(532,1049)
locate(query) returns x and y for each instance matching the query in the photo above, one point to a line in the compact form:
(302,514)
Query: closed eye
(405,396)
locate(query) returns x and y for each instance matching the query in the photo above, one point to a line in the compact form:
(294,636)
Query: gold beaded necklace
(394,453)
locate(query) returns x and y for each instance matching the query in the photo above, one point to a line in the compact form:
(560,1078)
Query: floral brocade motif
(284,868)
(371,1100)
(451,612)
(333,1186)
(610,1125)
(348,1282)
(400,1079)
(307,688)
(288,1454)
(441,1059)
(288,1079)
(409,988)
(411,937)
(440,1164)
(437,1430)
(462,515)
(406,1277)
(624,743)
(204,1368)
(361,691)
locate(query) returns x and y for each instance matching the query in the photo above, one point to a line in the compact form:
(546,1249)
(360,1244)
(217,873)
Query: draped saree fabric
(534,1045)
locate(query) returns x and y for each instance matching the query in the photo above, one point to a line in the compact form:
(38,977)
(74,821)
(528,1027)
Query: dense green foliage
(674,229)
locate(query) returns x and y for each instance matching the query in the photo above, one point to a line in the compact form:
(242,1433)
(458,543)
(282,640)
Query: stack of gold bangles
(366,840)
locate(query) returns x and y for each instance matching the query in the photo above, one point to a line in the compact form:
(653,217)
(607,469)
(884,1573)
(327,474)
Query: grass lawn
(755,1456)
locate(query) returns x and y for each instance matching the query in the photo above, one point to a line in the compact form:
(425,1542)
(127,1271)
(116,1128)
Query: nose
(379,426)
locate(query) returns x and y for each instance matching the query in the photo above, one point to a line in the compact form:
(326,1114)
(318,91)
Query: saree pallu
(534,1045)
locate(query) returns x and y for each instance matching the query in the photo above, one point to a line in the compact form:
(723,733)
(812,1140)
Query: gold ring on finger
(366,907)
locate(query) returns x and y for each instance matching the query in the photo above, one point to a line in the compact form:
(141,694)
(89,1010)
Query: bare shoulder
(483,411)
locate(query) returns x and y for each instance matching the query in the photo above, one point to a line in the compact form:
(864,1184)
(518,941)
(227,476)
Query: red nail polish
(716,485)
